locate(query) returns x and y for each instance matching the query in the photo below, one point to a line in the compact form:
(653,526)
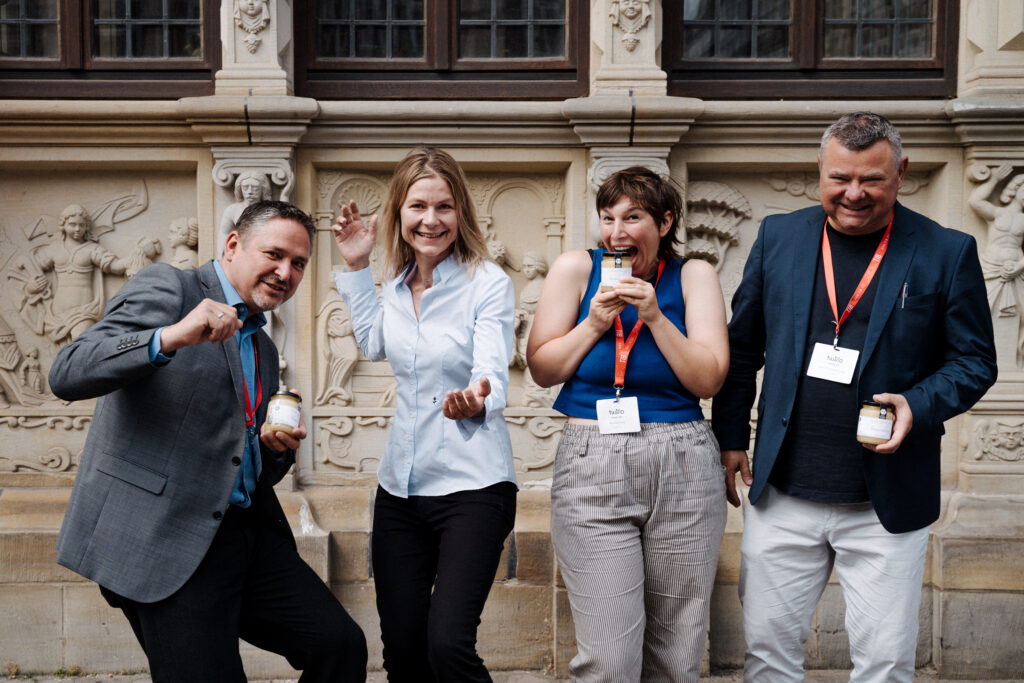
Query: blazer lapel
(891,277)
(213,290)
(803,269)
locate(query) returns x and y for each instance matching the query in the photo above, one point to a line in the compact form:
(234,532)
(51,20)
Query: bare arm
(700,358)
(979,196)
(557,345)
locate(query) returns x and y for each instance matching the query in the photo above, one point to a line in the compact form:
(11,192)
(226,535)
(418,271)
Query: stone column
(627,33)
(257,54)
(991,48)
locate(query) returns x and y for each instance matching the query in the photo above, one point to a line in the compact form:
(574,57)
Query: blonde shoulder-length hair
(427,162)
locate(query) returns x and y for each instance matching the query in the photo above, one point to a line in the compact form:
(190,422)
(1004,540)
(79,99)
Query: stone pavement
(506,677)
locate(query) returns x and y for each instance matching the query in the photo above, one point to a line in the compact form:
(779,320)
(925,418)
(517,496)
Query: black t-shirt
(821,459)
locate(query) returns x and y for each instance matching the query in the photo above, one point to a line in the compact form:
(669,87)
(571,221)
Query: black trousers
(434,560)
(253,585)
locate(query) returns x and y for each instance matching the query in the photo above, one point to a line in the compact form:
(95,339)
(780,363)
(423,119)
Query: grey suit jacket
(165,445)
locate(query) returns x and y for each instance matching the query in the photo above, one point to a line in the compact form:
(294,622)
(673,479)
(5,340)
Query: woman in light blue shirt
(447,495)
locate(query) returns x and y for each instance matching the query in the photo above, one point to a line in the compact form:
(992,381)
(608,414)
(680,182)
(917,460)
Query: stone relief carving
(60,273)
(1002,260)
(56,458)
(334,336)
(999,440)
(183,237)
(334,443)
(713,214)
(630,16)
(21,375)
(534,269)
(252,16)
(250,187)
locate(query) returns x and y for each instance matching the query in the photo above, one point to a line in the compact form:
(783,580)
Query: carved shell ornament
(252,16)
(630,16)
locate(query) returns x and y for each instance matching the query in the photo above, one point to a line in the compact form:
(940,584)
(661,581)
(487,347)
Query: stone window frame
(809,75)
(76,74)
(441,74)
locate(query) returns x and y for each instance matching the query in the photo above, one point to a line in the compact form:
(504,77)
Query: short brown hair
(430,162)
(653,193)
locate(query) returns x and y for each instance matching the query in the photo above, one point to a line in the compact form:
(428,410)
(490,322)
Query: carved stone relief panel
(63,254)
(998,199)
(523,219)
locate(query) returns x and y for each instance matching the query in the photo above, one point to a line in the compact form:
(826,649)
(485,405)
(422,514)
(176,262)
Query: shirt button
(236,460)
(218,515)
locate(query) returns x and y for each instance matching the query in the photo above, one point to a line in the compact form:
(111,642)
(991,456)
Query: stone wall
(155,180)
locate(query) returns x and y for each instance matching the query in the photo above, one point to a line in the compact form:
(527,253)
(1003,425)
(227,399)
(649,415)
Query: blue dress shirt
(464,332)
(245,485)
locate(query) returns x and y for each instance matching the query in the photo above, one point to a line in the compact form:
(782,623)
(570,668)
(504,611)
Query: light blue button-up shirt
(464,332)
(245,485)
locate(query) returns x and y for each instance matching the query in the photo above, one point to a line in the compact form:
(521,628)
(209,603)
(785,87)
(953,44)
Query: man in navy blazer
(859,300)
(173,511)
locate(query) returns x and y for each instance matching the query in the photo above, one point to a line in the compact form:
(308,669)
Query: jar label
(283,414)
(874,427)
(610,276)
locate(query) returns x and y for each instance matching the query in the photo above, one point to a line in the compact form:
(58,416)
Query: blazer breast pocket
(917,318)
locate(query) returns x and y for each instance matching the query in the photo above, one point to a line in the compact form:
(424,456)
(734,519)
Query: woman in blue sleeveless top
(638,499)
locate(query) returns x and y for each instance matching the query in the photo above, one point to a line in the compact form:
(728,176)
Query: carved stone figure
(630,16)
(21,378)
(252,16)
(334,332)
(183,235)
(32,371)
(250,187)
(145,252)
(1002,261)
(62,281)
(534,268)
(713,214)
(999,440)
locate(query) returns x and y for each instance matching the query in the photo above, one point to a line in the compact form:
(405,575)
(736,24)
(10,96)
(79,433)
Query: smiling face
(627,227)
(267,267)
(429,221)
(76,227)
(858,189)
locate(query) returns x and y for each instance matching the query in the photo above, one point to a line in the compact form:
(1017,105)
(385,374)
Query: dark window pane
(10,40)
(475,42)
(840,9)
(773,9)
(183,9)
(773,42)
(877,9)
(147,41)
(408,9)
(407,42)
(371,9)
(735,42)
(512,9)
(333,41)
(371,41)
(34,9)
(917,9)
(735,9)
(917,43)
(475,9)
(153,9)
(109,41)
(333,9)
(549,9)
(698,9)
(877,41)
(510,42)
(549,41)
(184,41)
(43,41)
(698,43)
(108,9)
(840,41)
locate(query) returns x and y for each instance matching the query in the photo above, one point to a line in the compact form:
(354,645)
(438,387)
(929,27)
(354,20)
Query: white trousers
(789,547)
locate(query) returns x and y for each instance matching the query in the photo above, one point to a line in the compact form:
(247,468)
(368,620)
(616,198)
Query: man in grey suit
(173,512)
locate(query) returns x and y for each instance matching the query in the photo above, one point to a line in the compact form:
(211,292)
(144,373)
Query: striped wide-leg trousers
(636,522)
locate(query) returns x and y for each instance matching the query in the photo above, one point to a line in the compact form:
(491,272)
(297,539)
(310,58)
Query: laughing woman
(637,499)
(447,495)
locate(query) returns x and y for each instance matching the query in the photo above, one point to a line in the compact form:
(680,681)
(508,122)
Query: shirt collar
(442,271)
(232,298)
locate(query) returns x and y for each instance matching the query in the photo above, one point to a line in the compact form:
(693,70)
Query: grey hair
(861,129)
(256,215)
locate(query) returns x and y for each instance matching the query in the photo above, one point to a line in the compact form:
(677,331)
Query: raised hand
(209,321)
(355,239)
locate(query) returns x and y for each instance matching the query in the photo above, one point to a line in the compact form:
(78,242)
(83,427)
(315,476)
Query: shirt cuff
(155,355)
(353,280)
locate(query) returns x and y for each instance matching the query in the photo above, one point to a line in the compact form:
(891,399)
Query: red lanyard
(865,280)
(624,346)
(250,410)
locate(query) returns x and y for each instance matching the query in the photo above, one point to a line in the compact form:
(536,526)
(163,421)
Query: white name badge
(833,364)
(618,417)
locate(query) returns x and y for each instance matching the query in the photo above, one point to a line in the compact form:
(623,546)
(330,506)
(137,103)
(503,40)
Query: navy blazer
(936,348)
